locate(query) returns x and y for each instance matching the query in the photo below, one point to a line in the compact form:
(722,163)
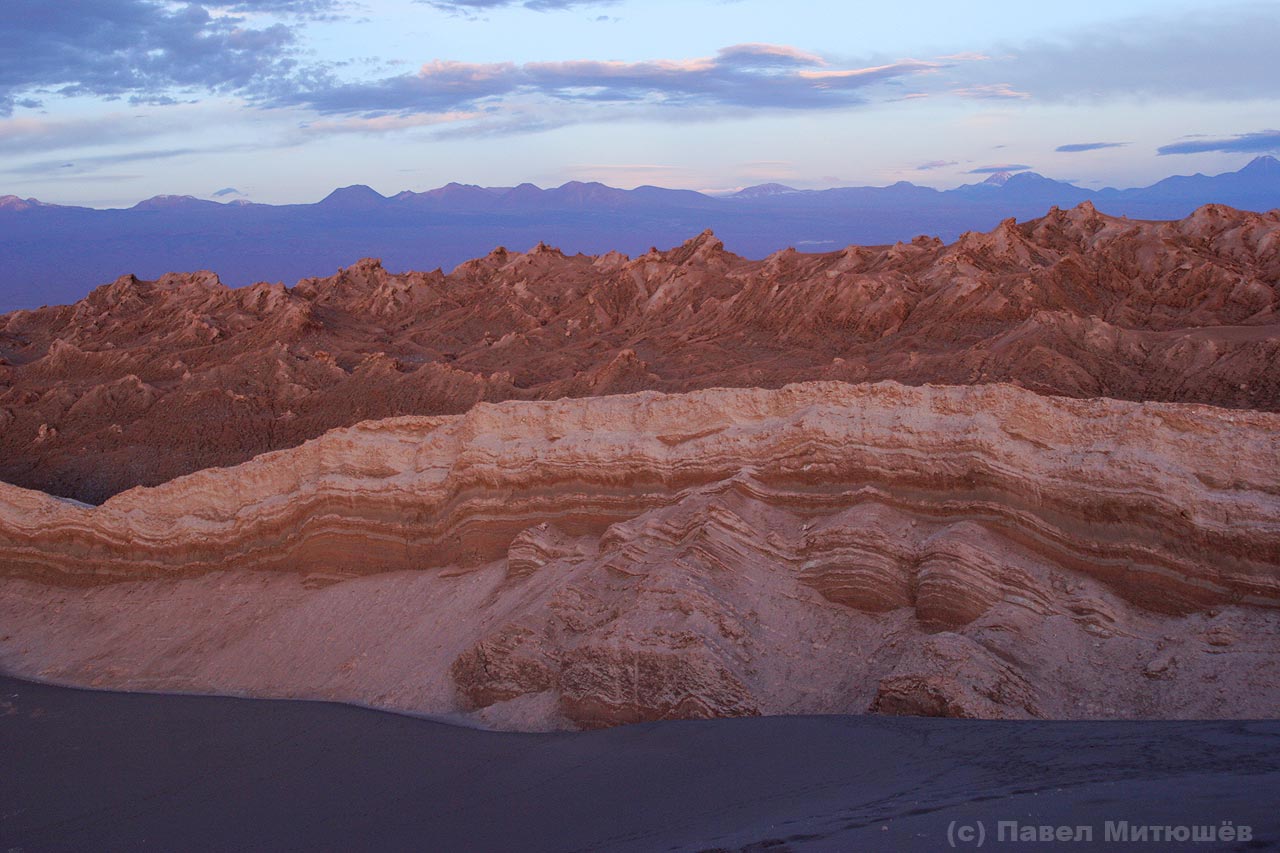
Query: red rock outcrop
(819,548)
(144,381)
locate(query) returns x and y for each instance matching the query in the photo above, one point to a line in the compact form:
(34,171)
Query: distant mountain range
(53,254)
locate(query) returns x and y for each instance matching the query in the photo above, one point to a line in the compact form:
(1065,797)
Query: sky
(107,102)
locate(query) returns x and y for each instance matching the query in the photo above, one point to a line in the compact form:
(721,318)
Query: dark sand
(98,771)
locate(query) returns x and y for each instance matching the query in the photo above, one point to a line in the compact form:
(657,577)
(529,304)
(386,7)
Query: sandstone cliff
(823,547)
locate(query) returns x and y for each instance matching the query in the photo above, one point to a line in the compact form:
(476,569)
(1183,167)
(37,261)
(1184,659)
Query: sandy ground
(103,771)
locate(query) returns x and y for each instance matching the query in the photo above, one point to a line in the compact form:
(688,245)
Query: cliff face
(822,547)
(144,381)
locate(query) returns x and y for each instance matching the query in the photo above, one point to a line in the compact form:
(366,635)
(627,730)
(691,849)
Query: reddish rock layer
(144,381)
(820,548)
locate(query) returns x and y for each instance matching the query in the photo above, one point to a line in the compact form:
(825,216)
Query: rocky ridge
(143,381)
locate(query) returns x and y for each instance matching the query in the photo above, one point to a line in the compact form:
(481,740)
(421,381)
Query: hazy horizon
(230,195)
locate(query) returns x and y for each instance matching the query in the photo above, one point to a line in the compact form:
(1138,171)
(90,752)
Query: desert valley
(633,426)
(560,492)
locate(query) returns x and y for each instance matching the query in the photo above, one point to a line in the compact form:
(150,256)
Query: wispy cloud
(749,76)
(991,91)
(1258,142)
(761,55)
(79,165)
(472,7)
(305,8)
(381,124)
(43,134)
(63,167)
(997,169)
(936,164)
(1077,147)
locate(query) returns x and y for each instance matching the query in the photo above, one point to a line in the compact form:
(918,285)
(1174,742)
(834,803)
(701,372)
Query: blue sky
(105,102)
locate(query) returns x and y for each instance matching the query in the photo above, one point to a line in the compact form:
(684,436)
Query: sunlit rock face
(822,547)
(143,381)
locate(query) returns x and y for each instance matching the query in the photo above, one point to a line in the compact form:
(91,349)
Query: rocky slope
(823,547)
(144,381)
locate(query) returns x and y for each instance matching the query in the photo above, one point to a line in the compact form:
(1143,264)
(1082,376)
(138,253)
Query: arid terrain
(141,382)
(1031,474)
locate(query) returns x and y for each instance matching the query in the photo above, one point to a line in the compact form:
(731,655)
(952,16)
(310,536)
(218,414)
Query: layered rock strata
(818,548)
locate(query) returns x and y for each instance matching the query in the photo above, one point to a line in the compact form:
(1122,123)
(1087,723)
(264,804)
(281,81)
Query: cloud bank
(144,50)
(753,76)
(1258,142)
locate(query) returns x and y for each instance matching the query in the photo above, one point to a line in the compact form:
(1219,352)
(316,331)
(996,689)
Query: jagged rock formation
(144,381)
(824,547)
